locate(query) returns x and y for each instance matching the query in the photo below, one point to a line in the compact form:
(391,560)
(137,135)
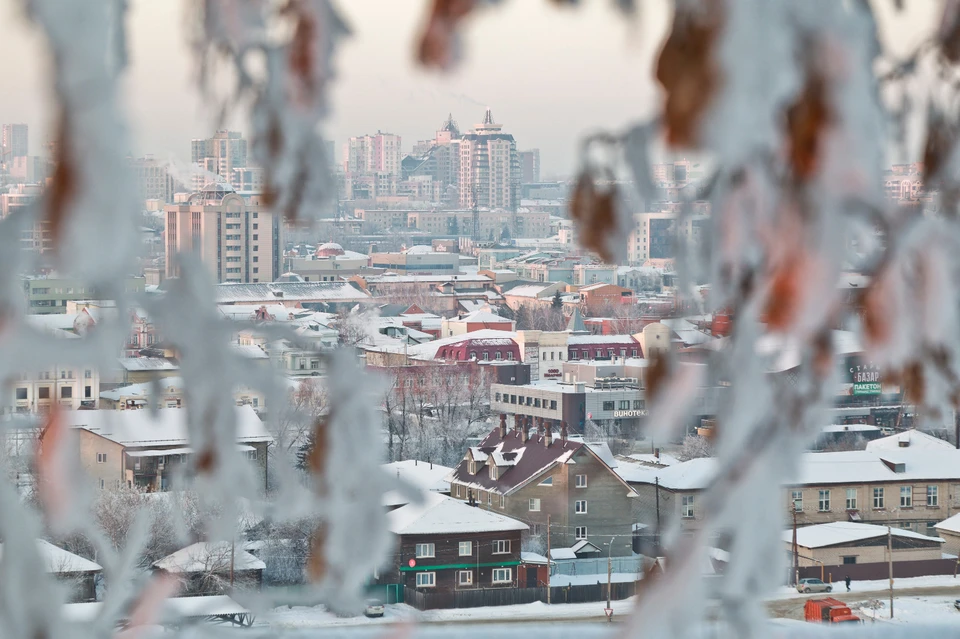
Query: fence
(598,566)
(510,596)
(880,570)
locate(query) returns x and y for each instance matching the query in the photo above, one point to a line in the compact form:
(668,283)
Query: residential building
(142,370)
(29,169)
(601,297)
(153,180)
(52,293)
(486,345)
(329,263)
(209,568)
(446,545)
(949,530)
(908,489)
(533,294)
(653,237)
(218,155)
(438,159)
(146,449)
(489,167)
(329,296)
(845,543)
(417,260)
(248,179)
(492,224)
(532,475)
(14,142)
(36,238)
(370,154)
(234,236)
(529,166)
(587,274)
(69,387)
(475,321)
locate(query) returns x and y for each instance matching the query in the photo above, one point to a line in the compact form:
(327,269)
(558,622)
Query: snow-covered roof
(147,364)
(950,524)
(139,428)
(483,316)
(288,292)
(851,428)
(423,475)
(250,351)
(787,353)
(562,553)
(528,290)
(209,556)
(419,249)
(482,337)
(665,459)
(56,560)
(532,558)
(911,439)
(439,514)
(142,390)
(584,546)
(844,532)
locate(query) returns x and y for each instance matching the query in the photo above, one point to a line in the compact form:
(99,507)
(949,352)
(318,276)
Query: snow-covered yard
(914,610)
(934,581)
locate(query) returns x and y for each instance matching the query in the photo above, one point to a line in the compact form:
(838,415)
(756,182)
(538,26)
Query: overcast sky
(548,74)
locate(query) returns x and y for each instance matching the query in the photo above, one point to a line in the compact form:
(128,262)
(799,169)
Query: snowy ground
(914,610)
(586,580)
(937,581)
(317,617)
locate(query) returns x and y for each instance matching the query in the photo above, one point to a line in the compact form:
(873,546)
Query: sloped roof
(483,316)
(576,325)
(141,390)
(950,524)
(210,556)
(844,532)
(439,515)
(423,475)
(914,440)
(137,428)
(429,349)
(56,560)
(535,460)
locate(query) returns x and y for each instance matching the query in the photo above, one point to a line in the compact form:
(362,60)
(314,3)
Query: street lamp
(609,571)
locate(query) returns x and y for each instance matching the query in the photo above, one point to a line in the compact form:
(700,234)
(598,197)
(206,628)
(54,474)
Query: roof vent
(895,466)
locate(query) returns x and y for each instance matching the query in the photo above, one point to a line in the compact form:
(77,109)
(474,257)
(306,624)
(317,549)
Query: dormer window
(493,472)
(473,468)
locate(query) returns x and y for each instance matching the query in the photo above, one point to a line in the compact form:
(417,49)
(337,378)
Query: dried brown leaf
(941,138)
(784,299)
(807,118)
(63,185)
(302,51)
(688,72)
(949,33)
(875,313)
(658,374)
(317,561)
(595,215)
(914,383)
(436,41)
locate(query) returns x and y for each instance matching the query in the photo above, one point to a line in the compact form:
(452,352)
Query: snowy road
(792,608)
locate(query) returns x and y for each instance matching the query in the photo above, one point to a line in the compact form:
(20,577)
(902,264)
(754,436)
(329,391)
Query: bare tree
(694,447)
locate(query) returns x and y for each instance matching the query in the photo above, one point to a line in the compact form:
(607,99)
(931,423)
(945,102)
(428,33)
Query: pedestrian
(847,579)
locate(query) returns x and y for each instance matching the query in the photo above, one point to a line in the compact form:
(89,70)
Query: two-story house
(445,544)
(541,478)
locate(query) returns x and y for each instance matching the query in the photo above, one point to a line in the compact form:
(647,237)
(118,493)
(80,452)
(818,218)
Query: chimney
(539,423)
(503,426)
(548,434)
(517,423)
(525,430)
(563,431)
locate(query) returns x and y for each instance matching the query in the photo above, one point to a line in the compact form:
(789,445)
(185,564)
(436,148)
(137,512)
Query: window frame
(432,579)
(933,491)
(508,572)
(796,496)
(906,496)
(501,547)
(469,545)
(823,501)
(580,507)
(432,549)
(578,483)
(460,575)
(687,506)
(580,533)
(878,498)
(533,505)
(850,500)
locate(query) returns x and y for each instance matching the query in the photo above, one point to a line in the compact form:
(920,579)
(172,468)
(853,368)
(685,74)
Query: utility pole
(609,575)
(233,547)
(656,483)
(796,550)
(548,559)
(890,554)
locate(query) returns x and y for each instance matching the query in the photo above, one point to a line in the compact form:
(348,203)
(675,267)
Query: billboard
(865,379)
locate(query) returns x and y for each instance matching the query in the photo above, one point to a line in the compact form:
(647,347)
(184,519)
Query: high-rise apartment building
(153,180)
(371,154)
(13,142)
(232,234)
(37,238)
(489,167)
(218,155)
(529,166)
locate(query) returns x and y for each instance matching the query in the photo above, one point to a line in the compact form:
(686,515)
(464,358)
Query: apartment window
(586,354)
(502,575)
(933,497)
(87,392)
(547,482)
(850,559)
(255,247)
(426,579)
(553,404)
(21,393)
(464,577)
(498,356)
(823,505)
(536,402)
(425,551)
(686,507)
(501,547)
(496,397)
(796,497)
(256,270)
(255,226)
(486,356)
(466,548)
(534,505)
(624,404)
(66,392)
(472,467)
(255,237)
(510,356)
(101,484)
(851,498)
(906,496)
(573,355)
(580,507)
(256,258)
(633,353)
(580,532)
(878,497)
(489,499)
(43,392)
(638,404)
(609,405)
(101,458)
(87,374)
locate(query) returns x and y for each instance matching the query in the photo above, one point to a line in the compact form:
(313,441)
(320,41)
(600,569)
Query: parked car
(956,604)
(374,608)
(813,585)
